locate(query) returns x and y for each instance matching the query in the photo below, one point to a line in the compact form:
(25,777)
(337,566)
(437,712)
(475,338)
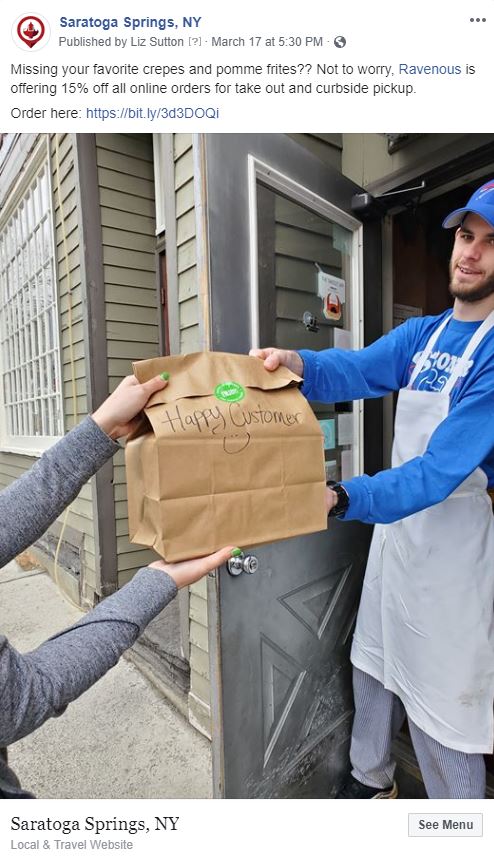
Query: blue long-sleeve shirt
(462,442)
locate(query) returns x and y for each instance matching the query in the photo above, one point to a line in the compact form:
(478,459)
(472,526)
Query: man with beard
(424,639)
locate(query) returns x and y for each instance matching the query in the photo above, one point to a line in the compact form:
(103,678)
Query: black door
(287,269)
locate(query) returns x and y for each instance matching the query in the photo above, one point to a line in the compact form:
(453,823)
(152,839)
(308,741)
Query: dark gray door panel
(285,634)
(280,638)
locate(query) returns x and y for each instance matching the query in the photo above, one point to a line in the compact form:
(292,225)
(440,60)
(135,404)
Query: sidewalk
(121,739)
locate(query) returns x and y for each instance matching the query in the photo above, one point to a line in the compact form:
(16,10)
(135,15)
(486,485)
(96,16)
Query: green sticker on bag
(229,391)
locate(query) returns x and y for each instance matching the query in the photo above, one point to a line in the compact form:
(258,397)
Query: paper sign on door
(331,290)
(328,284)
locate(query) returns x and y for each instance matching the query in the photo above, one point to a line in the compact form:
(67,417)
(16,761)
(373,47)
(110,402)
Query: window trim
(159,157)
(25,444)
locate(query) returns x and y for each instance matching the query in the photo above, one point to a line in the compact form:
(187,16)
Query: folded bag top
(201,373)
(229,453)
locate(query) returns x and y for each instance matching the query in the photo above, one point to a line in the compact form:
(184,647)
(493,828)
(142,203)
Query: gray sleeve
(29,505)
(40,684)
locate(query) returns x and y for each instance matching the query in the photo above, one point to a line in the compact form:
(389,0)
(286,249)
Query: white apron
(425,627)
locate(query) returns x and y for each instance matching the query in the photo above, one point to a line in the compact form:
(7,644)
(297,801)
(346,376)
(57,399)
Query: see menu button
(445,824)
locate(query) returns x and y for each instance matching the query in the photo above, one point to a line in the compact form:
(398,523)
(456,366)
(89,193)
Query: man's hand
(119,414)
(274,357)
(331,499)
(187,572)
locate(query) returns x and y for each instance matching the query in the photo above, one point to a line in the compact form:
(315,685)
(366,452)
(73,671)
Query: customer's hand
(274,357)
(119,414)
(187,572)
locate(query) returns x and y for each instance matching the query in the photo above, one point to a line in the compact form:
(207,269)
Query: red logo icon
(31,30)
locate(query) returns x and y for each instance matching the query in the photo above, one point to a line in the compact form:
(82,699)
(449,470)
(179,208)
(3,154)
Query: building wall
(126,196)
(327,147)
(77,548)
(127,201)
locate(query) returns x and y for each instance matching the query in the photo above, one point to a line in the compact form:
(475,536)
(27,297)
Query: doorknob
(242,564)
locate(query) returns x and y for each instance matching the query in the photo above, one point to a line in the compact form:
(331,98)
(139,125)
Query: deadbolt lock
(242,564)
(310,322)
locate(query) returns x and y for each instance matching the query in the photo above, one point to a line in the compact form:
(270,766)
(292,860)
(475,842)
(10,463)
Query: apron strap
(427,350)
(475,341)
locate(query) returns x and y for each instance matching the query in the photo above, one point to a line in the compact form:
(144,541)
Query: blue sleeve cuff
(310,368)
(360,500)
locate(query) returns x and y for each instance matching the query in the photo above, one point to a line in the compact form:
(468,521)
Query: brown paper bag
(229,453)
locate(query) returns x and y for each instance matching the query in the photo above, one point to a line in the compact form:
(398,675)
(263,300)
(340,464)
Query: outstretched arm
(40,684)
(29,505)
(335,375)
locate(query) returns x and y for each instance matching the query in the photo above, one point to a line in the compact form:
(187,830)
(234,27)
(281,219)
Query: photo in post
(298,231)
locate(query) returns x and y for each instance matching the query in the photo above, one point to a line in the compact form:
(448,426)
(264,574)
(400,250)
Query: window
(29,343)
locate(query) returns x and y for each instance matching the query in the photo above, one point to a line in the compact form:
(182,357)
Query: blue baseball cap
(481,202)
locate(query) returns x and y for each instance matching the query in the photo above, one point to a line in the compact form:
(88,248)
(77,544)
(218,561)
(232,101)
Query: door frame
(468,173)
(279,182)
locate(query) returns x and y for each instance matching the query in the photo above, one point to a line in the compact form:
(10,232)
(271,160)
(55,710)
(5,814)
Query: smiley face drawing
(236,443)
